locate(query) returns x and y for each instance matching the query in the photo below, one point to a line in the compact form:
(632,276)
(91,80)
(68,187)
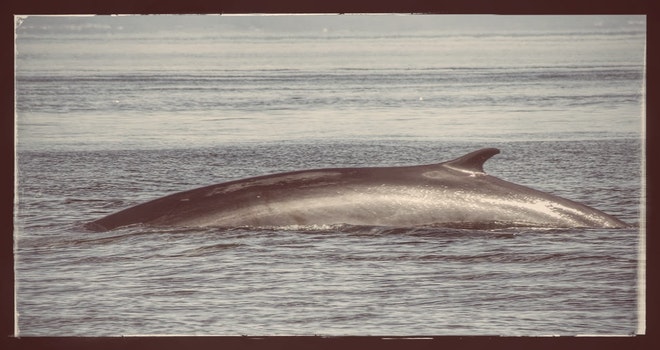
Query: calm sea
(115,111)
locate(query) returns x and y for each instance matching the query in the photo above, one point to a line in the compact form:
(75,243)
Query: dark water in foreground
(112,112)
(334,280)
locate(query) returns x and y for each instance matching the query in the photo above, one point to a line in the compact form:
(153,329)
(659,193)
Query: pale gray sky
(332,23)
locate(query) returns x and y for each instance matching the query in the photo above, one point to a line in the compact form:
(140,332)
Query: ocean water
(115,111)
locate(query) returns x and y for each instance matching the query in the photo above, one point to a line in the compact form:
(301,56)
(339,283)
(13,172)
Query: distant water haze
(332,24)
(207,79)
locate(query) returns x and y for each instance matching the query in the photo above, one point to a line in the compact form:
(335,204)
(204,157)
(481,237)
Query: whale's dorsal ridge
(456,192)
(473,161)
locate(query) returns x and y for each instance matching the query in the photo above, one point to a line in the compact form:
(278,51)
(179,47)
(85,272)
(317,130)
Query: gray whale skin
(456,193)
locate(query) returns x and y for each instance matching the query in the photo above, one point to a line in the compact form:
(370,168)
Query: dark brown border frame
(521,7)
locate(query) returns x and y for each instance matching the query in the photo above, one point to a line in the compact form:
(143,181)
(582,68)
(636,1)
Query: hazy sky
(329,23)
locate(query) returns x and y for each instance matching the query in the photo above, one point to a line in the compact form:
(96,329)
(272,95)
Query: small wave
(301,228)
(504,257)
(486,225)
(461,225)
(434,229)
(125,233)
(210,249)
(494,229)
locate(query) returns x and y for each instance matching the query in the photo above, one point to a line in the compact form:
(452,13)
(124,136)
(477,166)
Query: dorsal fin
(474,161)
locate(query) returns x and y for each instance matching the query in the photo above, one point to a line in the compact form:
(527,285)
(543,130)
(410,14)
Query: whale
(454,193)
